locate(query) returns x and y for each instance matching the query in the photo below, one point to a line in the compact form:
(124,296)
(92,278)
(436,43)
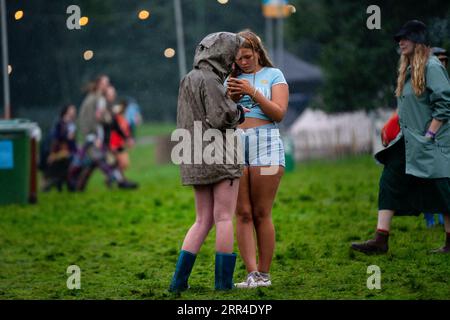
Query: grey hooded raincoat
(202,105)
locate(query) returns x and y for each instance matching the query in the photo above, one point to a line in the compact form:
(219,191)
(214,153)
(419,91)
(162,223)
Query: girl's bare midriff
(253,122)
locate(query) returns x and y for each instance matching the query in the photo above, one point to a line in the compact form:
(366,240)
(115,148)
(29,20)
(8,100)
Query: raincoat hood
(218,50)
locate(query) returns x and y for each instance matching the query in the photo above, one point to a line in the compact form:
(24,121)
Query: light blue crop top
(264,80)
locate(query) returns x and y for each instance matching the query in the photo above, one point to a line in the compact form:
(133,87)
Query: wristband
(431,133)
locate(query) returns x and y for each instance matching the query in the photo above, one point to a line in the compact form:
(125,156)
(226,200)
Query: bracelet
(431,133)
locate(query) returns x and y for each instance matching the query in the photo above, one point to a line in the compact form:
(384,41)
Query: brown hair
(418,63)
(253,42)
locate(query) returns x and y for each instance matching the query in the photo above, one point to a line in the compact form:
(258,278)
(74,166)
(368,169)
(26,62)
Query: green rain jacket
(425,158)
(203,100)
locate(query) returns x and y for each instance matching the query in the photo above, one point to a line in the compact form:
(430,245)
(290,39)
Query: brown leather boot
(378,245)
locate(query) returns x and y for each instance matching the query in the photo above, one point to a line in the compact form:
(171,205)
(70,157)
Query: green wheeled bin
(18,161)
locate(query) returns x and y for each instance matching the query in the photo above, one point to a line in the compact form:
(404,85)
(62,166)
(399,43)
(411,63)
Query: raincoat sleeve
(438,84)
(221,112)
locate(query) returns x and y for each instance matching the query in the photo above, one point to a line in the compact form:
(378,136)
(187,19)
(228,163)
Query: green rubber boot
(225,263)
(183,270)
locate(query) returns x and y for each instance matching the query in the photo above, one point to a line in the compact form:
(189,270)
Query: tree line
(49,70)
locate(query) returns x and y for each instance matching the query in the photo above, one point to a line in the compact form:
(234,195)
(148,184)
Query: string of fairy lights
(84,21)
(141,15)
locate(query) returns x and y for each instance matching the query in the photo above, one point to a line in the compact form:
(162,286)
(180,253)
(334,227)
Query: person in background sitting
(62,149)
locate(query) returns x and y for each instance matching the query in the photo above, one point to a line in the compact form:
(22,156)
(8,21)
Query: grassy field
(126,243)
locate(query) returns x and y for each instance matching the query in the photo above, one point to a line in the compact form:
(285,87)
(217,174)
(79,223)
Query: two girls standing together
(254,98)
(415,179)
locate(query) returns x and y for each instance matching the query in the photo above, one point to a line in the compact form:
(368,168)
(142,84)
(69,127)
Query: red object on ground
(390,129)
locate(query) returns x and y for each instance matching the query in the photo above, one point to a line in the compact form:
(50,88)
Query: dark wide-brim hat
(413,30)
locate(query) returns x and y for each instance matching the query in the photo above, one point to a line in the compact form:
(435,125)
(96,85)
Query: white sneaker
(251,282)
(264,280)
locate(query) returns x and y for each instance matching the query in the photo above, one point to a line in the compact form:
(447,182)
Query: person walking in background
(203,101)
(416,174)
(95,123)
(121,137)
(91,154)
(92,107)
(110,128)
(392,128)
(262,88)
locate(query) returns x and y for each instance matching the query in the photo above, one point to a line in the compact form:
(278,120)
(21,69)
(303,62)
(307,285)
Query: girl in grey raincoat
(205,108)
(416,175)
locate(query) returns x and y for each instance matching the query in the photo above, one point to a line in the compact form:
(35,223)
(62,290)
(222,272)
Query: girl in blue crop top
(262,81)
(260,87)
(257,84)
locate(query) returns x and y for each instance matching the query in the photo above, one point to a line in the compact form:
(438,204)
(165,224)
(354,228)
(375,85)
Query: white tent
(317,134)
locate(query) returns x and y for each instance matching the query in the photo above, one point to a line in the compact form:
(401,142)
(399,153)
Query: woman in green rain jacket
(203,105)
(416,174)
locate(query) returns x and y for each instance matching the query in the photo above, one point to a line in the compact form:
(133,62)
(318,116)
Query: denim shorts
(263,146)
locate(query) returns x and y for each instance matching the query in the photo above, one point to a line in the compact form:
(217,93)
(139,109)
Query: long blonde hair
(418,64)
